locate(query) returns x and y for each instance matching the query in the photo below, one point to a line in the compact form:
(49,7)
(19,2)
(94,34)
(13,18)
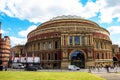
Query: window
(43,56)
(49,45)
(43,45)
(102,55)
(96,45)
(106,56)
(77,40)
(83,39)
(48,56)
(97,55)
(56,56)
(56,44)
(70,40)
(38,46)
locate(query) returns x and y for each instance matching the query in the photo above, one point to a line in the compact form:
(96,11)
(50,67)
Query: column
(87,40)
(80,39)
(73,40)
(92,39)
(68,40)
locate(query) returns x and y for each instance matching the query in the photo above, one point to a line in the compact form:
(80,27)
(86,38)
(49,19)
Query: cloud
(16,41)
(43,10)
(117,42)
(24,33)
(109,9)
(3,31)
(114,29)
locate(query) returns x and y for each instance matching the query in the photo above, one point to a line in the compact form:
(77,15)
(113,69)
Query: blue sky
(19,17)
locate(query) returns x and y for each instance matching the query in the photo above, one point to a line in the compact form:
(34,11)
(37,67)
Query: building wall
(5,50)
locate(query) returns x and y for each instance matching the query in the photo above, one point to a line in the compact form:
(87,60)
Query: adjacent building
(4,49)
(116,54)
(66,40)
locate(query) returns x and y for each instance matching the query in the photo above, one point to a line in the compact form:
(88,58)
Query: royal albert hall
(70,40)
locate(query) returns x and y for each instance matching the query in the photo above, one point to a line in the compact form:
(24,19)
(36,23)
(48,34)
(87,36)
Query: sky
(19,17)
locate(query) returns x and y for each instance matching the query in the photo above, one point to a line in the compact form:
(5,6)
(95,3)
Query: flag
(13,56)
(26,56)
(19,57)
(33,56)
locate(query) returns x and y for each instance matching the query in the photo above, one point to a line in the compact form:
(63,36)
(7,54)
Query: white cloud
(25,32)
(114,29)
(109,10)
(43,10)
(90,10)
(117,42)
(16,41)
(3,31)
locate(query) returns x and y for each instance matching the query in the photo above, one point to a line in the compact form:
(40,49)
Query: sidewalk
(109,76)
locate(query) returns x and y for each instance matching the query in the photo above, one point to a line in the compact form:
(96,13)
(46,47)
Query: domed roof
(67,17)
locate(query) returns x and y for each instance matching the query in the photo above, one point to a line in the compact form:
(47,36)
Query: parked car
(1,68)
(18,66)
(38,66)
(31,68)
(73,67)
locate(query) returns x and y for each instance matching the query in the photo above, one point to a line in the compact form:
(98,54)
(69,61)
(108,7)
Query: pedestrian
(89,69)
(107,68)
(5,68)
(115,69)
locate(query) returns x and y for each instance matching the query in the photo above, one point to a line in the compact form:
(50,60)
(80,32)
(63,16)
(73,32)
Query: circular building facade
(66,40)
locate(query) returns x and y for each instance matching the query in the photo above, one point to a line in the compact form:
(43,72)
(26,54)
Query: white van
(17,66)
(73,67)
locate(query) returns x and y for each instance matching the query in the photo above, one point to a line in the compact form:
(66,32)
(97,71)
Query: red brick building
(4,48)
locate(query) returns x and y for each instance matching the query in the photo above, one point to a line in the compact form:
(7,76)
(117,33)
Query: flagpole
(26,56)
(33,56)
(19,57)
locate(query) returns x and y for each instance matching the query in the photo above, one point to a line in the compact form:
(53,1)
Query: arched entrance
(115,61)
(78,59)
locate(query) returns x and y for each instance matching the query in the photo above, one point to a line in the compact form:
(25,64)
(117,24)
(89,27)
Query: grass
(17,75)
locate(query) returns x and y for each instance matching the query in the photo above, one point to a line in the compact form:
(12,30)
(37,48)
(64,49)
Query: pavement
(109,76)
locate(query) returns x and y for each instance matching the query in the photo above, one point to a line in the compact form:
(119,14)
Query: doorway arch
(78,58)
